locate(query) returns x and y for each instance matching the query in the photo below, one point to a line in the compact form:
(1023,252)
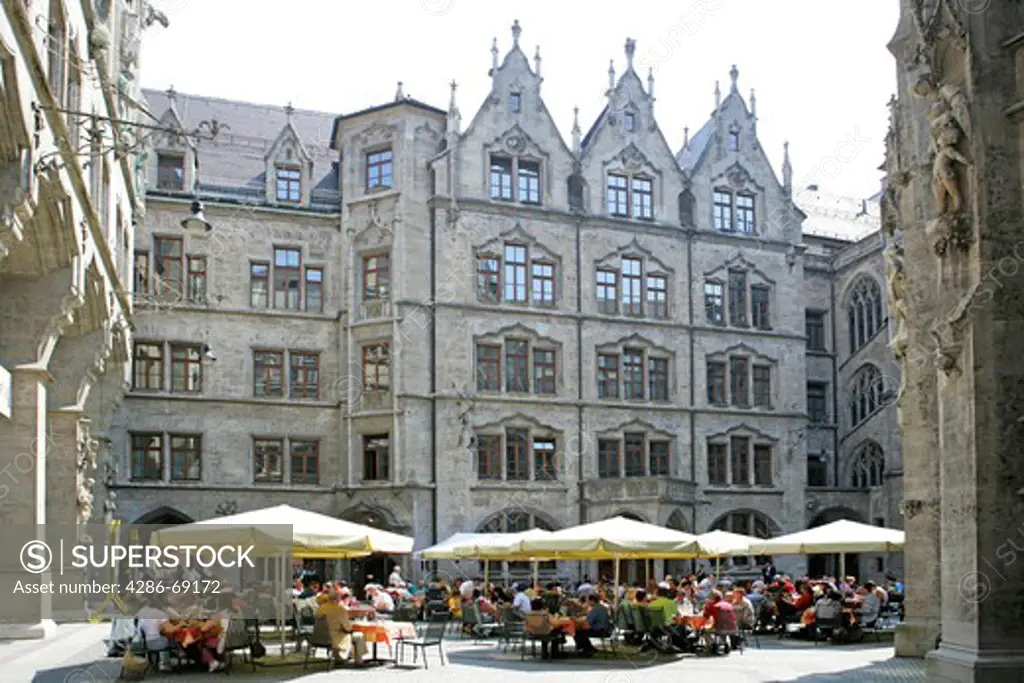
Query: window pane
(659,463)
(314,290)
(607,376)
(633,373)
(529,182)
(740,456)
(657,377)
(267,373)
(607,458)
(376,458)
(723,211)
(185,458)
(286,278)
(617,195)
(376,277)
(607,292)
(737,297)
(516,372)
(516,463)
(259,279)
(815,325)
(717,472)
(544,460)
(488,279)
(716,384)
(377,367)
(542,278)
(745,214)
(762,386)
(305,462)
(378,169)
(714,309)
(657,296)
(634,454)
(543,371)
(488,456)
(501,178)
(761,307)
(643,199)
(147,457)
(488,368)
(631,286)
(148,367)
(305,375)
(186,369)
(762,465)
(267,460)
(515,273)
(817,402)
(738,368)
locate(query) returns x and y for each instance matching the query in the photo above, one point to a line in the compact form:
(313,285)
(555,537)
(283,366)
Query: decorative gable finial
(536,61)
(734,74)
(650,82)
(576,132)
(516,32)
(753,103)
(611,76)
(686,137)
(172,95)
(494,56)
(787,170)
(399,93)
(454,117)
(289,110)
(630,51)
(718,96)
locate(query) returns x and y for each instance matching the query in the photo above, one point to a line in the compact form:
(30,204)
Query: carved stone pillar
(961,85)
(24,449)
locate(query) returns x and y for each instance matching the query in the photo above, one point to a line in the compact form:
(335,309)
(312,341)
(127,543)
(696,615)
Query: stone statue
(897,281)
(946,131)
(85,499)
(109,507)
(466,422)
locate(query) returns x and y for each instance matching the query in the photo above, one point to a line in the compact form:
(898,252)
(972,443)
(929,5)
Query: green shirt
(667,607)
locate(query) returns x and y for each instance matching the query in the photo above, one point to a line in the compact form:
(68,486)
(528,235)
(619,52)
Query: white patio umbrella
(842,536)
(719,544)
(480,546)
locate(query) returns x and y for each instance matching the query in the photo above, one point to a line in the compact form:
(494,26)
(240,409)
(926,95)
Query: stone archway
(376,567)
(164,516)
(828,565)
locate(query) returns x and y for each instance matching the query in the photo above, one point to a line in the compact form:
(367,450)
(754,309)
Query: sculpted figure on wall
(897,281)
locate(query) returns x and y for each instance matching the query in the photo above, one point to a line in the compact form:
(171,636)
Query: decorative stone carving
(466,406)
(738,176)
(897,281)
(632,159)
(228,507)
(109,507)
(935,21)
(949,333)
(913,507)
(87,448)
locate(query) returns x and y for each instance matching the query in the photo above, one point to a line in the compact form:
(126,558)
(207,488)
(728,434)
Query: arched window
(866,394)
(865,312)
(867,466)
(745,523)
(515,521)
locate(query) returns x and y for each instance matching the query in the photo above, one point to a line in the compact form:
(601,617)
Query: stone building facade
(953,208)
(439,327)
(69,75)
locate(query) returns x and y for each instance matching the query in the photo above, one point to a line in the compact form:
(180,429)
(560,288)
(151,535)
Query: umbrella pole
(842,567)
(615,603)
(487,566)
(718,569)
(536,577)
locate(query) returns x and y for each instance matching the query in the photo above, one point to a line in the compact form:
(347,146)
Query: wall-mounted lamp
(208,353)
(196,223)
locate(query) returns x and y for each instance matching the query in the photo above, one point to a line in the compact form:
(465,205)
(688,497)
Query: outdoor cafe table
(696,622)
(567,624)
(383,632)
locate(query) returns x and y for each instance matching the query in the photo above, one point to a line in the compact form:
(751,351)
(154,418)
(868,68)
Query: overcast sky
(820,67)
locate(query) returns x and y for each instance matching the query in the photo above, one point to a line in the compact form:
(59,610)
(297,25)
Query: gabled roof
(234,164)
(409,101)
(692,153)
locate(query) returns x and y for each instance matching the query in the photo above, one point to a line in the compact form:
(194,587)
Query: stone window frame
(812,313)
(198,454)
(286,443)
(733,183)
(650,267)
(286,372)
(755,438)
(288,154)
(651,433)
(649,350)
(631,164)
(865,311)
(536,254)
(159,362)
(161,167)
(535,431)
(865,394)
(189,348)
(515,145)
(754,358)
(132,436)
(389,164)
(755,277)
(811,416)
(866,465)
(381,473)
(385,359)
(535,342)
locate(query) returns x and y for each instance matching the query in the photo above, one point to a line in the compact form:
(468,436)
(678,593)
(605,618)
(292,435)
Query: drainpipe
(693,391)
(835,377)
(433,358)
(579,370)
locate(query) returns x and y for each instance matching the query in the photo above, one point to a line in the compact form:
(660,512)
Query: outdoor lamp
(196,222)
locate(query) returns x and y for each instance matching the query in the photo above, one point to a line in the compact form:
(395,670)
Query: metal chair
(238,638)
(513,628)
(537,628)
(433,636)
(319,637)
(826,626)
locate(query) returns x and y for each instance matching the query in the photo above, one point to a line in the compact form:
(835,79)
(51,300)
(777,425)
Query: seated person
(721,613)
(487,610)
(538,623)
(520,601)
(873,599)
(344,642)
(380,599)
(744,608)
(310,591)
(664,610)
(598,625)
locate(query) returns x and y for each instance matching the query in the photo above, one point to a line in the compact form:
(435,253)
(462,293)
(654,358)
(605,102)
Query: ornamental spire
(734,74)
(787,170)
(630,51)
(576,132)
(516,32)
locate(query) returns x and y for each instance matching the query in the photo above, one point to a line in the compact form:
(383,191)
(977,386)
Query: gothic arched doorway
(828,565)
(373,568)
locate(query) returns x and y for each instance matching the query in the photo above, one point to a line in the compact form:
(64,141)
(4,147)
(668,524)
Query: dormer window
(170,172)
(630,121)
(527,173)
(734,141)
(630,196)
(379,168)
(734,212)
(515,102)
(289,184)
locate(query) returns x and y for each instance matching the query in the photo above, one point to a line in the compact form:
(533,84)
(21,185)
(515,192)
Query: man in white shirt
(396,577)
(466,589)
(585,588)
(381,600)
(520,601)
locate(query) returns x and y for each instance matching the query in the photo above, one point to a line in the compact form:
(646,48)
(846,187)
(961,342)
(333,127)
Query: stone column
(23,455)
